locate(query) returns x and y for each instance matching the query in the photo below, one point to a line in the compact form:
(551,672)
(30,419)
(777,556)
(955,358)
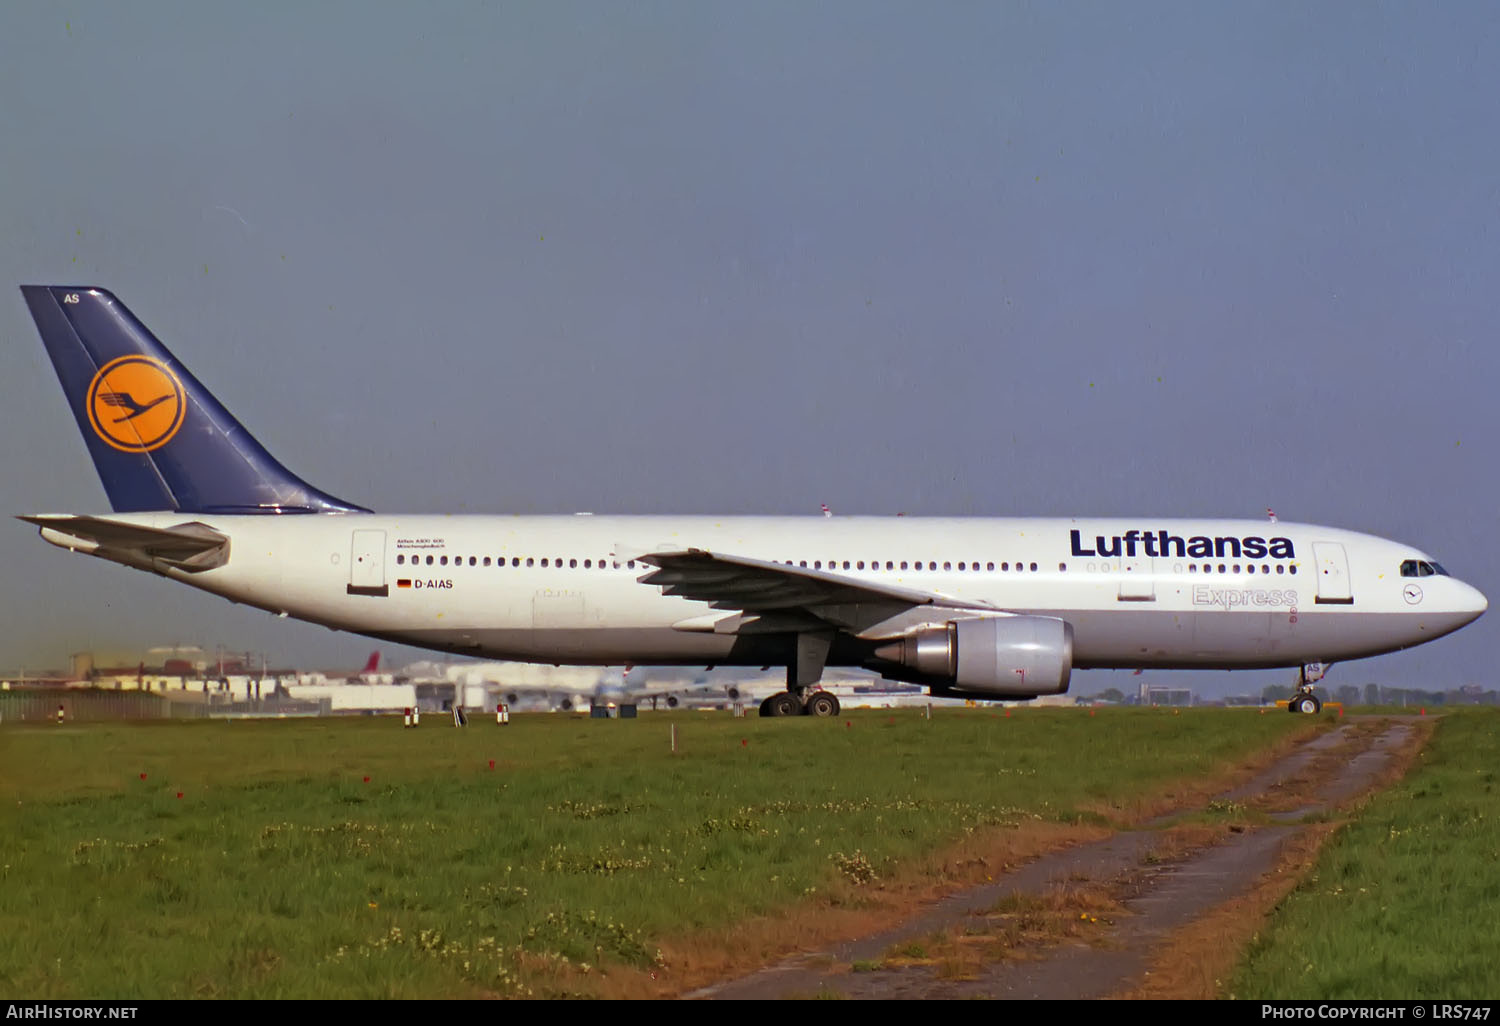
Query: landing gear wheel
(784,703)
(821,703)
(1306,704)
(765,706)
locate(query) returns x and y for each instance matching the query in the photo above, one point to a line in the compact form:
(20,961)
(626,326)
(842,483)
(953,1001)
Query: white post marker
(416,716)
(674,739)
(59,714)
(502,714)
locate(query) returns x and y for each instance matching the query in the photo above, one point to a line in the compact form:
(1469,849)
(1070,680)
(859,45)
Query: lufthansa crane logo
(136,404)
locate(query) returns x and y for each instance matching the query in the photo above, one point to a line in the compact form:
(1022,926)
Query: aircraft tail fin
(372,664)
(159,439)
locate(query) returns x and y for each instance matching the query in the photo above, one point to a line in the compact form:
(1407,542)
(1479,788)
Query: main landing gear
(1304,701)
(802,696)
(809,703)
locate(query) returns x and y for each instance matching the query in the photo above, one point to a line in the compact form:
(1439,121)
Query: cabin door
(1333,573)
(367,564)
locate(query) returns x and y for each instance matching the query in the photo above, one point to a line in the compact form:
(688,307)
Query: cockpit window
(1421,568)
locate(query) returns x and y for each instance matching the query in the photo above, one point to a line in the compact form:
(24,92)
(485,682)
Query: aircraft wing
(774,597)
(193,547)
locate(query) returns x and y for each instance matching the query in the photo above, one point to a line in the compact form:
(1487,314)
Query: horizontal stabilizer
(192,547)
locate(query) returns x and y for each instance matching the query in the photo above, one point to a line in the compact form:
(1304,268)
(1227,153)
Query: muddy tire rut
(1161,911)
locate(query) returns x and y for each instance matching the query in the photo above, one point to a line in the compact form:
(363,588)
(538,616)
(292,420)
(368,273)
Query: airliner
(981,608)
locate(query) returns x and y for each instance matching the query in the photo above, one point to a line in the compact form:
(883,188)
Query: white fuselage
(1142,592)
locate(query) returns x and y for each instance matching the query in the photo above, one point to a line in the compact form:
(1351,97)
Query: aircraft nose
(1471,602)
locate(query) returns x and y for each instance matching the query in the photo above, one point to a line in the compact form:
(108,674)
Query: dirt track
(1094,920)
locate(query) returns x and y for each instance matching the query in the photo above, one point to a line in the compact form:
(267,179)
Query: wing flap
(773,593)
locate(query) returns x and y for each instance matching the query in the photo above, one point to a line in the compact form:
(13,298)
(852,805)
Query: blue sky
(981,259)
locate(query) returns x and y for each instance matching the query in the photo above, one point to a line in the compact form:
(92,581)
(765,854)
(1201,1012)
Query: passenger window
(572,564)
(530,561)
(989,566)
(486,560)
(1033,568)
(429,560)
(1293,569)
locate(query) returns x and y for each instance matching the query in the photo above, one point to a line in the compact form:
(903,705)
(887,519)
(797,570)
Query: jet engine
(1001,656)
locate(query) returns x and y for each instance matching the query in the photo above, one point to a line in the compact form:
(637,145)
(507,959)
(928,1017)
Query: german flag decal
(403,582)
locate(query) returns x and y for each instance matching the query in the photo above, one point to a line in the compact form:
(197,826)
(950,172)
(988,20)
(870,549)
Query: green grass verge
(281,872)
(1402,902)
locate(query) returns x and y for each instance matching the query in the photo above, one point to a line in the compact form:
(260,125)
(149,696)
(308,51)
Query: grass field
(1403,902)
(352,858)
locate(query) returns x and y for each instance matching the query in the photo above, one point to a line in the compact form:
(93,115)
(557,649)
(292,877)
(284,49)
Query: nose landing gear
(1304,701)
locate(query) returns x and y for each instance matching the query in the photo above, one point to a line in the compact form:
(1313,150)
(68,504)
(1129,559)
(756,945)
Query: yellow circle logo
(136,404)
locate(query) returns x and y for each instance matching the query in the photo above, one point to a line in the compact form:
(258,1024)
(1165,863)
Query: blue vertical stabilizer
(159,439)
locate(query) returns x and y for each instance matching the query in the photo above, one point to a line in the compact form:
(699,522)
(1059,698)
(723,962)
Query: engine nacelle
(1001,655)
